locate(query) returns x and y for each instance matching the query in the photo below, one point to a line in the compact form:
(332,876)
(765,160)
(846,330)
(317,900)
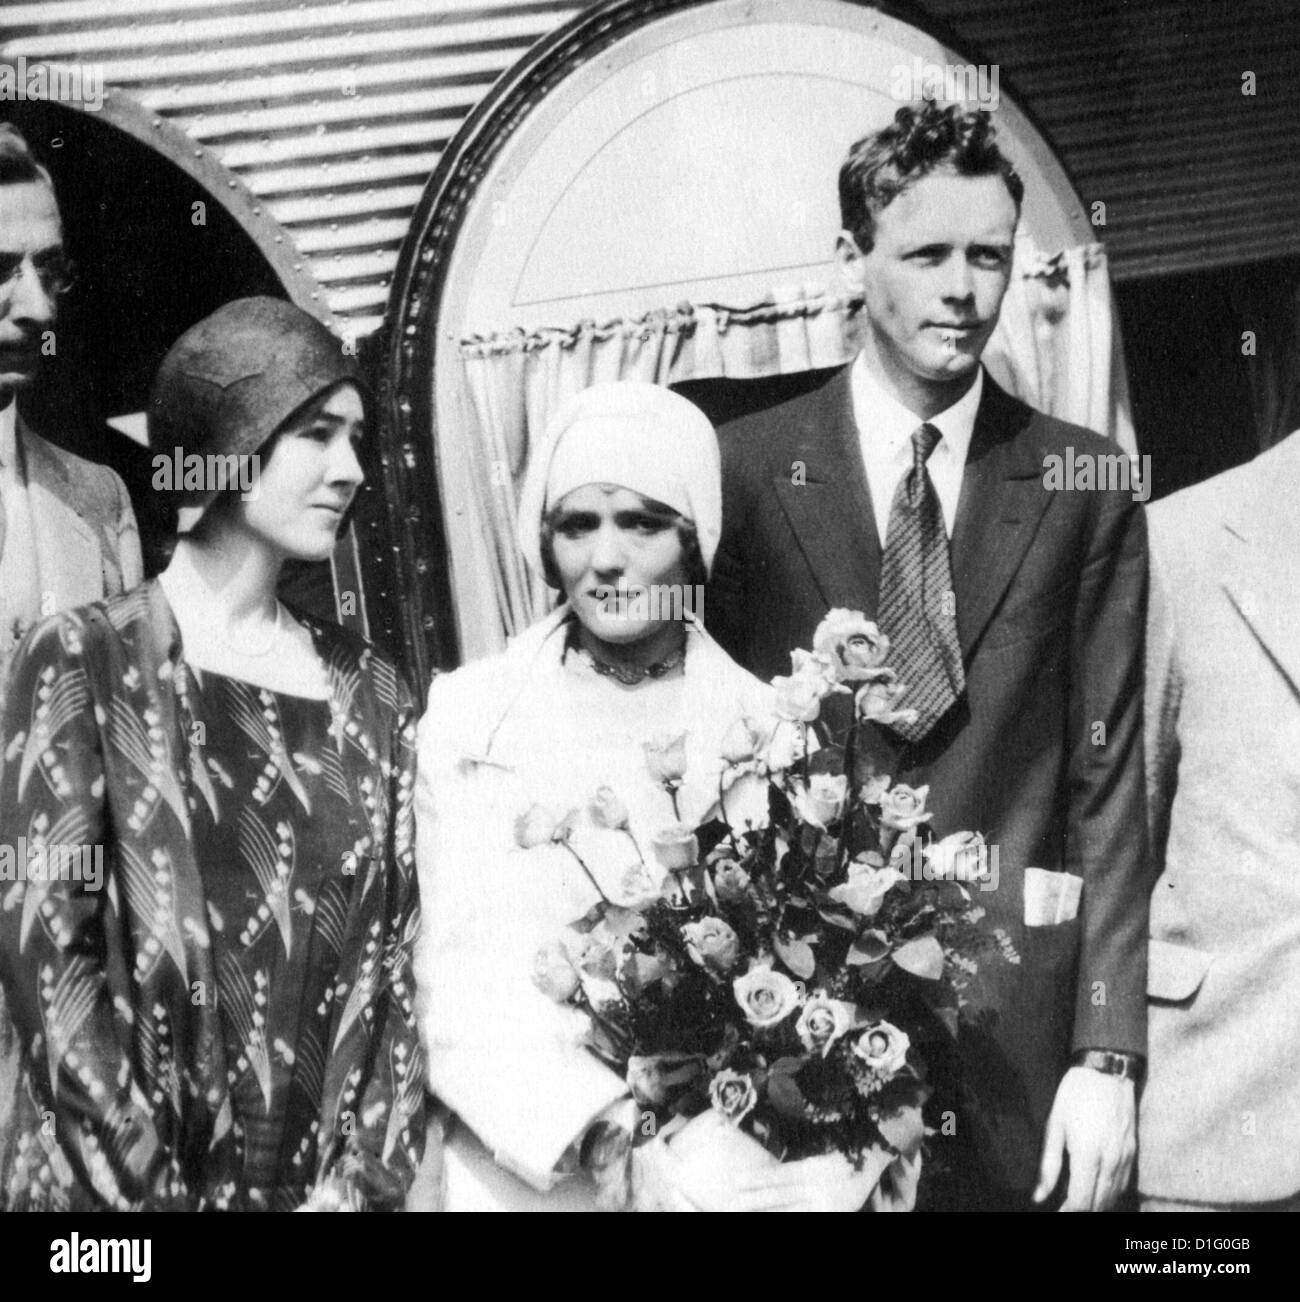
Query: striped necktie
(917,608)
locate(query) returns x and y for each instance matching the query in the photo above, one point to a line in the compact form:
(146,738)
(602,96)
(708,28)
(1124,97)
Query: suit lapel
(831,513)
(1001,503)
(67,551)
(1262,553)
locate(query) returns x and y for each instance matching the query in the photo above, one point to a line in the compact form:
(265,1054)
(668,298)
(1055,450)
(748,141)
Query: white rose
(883,1047)
(765,997)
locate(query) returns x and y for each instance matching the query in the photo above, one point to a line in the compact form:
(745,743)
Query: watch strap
(1109,1062)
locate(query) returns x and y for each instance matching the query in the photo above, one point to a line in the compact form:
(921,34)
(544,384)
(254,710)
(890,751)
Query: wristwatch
(1110,1062)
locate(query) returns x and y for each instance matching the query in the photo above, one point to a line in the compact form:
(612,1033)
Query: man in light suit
(910,486)
(1220,1121)
(67,532)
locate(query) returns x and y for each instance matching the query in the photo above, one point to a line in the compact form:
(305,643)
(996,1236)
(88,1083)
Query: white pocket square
(1051,897)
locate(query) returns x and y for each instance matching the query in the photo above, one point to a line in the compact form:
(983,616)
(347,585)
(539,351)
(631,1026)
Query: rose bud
(817,669)
(866,888)
(852,643)
(676,847)
(607,810)
(904,808)
(741,742)
(822,801)
(712,944)
(797,699)
(872,791)
(665,757)
(553,974)
(961,857)
(786,747)
(638,889)
(878,693)
(731,882)
(733,1094)
(537,826)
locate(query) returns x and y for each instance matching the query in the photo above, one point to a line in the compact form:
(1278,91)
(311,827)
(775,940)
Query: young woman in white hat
(621,498)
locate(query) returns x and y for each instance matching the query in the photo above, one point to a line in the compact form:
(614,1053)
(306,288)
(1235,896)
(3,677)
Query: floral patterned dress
(226,1020)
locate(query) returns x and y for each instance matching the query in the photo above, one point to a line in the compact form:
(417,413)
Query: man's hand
(1094,1119)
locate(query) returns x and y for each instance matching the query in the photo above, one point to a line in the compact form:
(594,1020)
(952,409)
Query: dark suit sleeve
(1106,839)
(725,599)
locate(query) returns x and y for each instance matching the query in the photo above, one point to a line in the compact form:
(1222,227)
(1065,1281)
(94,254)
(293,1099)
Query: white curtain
(1057,345)
(1056,348)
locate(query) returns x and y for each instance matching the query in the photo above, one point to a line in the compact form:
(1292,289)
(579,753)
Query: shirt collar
(9,433)
(880,415)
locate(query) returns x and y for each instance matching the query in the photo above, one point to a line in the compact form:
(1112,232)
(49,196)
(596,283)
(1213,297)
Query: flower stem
(846,821)
(627,831)
(722,803)
(585,869)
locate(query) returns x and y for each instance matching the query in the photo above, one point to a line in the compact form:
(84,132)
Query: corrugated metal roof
(1142,99)
(332,113)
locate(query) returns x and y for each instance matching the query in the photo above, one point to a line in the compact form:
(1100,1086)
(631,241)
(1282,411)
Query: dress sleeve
(98,1140)
(502,1056)
(384,1134)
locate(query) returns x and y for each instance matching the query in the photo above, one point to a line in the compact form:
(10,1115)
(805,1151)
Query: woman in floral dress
(221,1017)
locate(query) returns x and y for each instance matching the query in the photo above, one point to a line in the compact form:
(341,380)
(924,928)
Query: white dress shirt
(20,585)
(885,429)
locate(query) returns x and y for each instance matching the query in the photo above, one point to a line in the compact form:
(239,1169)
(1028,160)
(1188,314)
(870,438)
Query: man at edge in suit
(1220,1116)
(910,486)
(67,532)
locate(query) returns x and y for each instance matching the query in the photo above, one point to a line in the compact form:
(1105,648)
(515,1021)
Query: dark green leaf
(903,1130)
(797,956)
(844,920)
(922,957)
(785,1096)
(870,947)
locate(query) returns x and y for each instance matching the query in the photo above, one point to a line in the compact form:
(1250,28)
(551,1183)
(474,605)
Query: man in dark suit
(910,486)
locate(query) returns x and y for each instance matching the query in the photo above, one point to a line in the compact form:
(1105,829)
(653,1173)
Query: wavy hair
(922,138)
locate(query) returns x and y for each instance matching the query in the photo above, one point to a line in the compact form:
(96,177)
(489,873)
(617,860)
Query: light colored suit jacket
(87,544)
(1220,1118)
(87,549)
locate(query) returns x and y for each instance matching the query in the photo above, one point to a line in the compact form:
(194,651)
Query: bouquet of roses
(789,970)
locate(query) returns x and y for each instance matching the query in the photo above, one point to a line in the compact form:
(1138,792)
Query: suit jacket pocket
(1052,948)
(1175,972)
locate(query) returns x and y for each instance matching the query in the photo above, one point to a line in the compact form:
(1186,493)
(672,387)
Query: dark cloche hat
(229,382)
